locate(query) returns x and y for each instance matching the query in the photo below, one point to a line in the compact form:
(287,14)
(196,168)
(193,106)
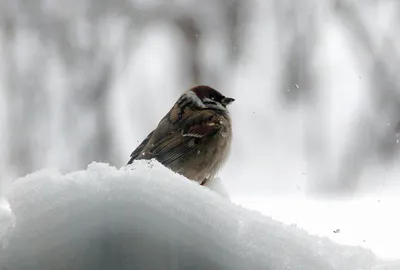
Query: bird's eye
(213,98)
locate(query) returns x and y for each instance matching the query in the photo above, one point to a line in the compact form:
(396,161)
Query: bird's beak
(227,100)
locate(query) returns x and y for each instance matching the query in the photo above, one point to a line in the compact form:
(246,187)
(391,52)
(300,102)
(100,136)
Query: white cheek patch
(195,99)
(210,103)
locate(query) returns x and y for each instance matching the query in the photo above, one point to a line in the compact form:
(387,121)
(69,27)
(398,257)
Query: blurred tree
(297,27)
(80,34)
(84,44)
(375,138)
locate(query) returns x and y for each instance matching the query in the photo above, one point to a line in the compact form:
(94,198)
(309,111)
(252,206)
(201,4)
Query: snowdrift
(147,217)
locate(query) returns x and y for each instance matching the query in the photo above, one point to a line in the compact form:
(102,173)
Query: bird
(194,138)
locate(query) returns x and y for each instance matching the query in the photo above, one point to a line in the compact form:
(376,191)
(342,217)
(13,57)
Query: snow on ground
(368,221)
(148,217)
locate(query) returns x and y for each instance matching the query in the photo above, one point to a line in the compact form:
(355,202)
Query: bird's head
(208,97)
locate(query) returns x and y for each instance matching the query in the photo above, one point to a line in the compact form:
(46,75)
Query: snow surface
(367,221)
(147,217)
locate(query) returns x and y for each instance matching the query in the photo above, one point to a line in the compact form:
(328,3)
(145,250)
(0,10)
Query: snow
(364,221)
(147,217)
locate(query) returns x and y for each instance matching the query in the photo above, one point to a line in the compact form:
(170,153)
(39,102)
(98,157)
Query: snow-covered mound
(367,221)
(147,217)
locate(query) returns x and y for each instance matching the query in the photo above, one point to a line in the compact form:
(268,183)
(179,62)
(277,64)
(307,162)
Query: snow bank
(367,221)
(147,217)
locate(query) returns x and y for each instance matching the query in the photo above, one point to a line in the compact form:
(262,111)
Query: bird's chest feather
(216,148)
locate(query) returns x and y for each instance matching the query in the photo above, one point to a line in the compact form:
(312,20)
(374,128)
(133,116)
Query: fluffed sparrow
(194,137)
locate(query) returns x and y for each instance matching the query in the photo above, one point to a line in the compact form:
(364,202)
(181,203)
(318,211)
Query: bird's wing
(188,134)
(135,154)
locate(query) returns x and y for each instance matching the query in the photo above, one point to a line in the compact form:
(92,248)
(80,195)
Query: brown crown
(204,91)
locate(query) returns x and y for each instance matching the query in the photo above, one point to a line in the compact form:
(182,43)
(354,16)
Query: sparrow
(194,137)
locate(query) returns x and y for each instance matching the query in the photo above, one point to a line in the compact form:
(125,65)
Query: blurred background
(316,84)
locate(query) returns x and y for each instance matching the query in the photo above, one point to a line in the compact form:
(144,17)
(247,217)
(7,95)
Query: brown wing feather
(135,154)
(185,138)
